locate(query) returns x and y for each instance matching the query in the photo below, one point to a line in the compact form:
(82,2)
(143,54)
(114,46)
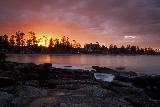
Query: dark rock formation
(21,83)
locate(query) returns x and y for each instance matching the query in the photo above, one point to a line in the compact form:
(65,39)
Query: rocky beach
(31,85)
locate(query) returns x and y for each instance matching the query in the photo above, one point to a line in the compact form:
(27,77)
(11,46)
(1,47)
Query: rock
(122,78)
(33,76)
(31,92)
(33,83)
(103,69)
(25,94)
(93,90)
(48,84)
(68,66)
(5,99)
(120,68)
(2,57)
(127,74)
(63,105)
(6,66)
(81,88)
(30,68)
(6,81)
(19,96)
(73,74)
(121,84)
(89,96)
(144,81)
(151,84)
(45,65)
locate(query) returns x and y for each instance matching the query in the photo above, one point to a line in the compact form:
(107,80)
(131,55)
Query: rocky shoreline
(31,85)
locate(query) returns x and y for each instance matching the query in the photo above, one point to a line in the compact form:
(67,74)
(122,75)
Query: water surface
(138,63)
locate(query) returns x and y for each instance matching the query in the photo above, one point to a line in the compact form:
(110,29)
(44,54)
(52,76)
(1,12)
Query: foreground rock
(24,84)
(20,96)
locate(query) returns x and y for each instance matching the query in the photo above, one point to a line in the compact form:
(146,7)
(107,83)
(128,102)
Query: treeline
(129,49)
(18,43)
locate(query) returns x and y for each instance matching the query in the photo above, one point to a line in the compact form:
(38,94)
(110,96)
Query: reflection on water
(139,63)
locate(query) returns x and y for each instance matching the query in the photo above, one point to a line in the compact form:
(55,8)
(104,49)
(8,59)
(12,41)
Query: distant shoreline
(89,54)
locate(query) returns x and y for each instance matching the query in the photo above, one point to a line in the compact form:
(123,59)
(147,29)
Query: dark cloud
(94,17)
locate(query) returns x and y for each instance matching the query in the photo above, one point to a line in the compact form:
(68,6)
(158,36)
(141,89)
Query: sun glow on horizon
(44,38)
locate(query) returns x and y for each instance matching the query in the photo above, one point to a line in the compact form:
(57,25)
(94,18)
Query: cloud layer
(106,20)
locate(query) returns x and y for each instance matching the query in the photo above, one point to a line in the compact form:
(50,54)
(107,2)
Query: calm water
(139,63)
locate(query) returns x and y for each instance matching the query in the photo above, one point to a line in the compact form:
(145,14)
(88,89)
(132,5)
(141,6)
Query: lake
(138,63)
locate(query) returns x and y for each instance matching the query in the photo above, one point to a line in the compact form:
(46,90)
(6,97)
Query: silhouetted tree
(65,41)
(45,38)
(133,49)
(122,49)
(5,37)
(20,39)
(115,49)
(56,41)
(29,42)
(33,38)
(64,45)
(12,40)
(4,43)
(51,43)
(111,48)
(75,44)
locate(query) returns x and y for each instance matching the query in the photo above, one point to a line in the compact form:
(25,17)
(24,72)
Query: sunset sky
(135,22)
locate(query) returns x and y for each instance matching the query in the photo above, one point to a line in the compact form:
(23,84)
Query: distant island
(44,45)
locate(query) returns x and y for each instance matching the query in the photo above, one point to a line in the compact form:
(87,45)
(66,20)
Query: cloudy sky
(106,21)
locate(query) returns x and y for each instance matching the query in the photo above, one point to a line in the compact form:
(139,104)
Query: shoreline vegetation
(18,44)
(31,85)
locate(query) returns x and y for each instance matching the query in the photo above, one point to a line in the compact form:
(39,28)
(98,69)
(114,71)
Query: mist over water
(138,63)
